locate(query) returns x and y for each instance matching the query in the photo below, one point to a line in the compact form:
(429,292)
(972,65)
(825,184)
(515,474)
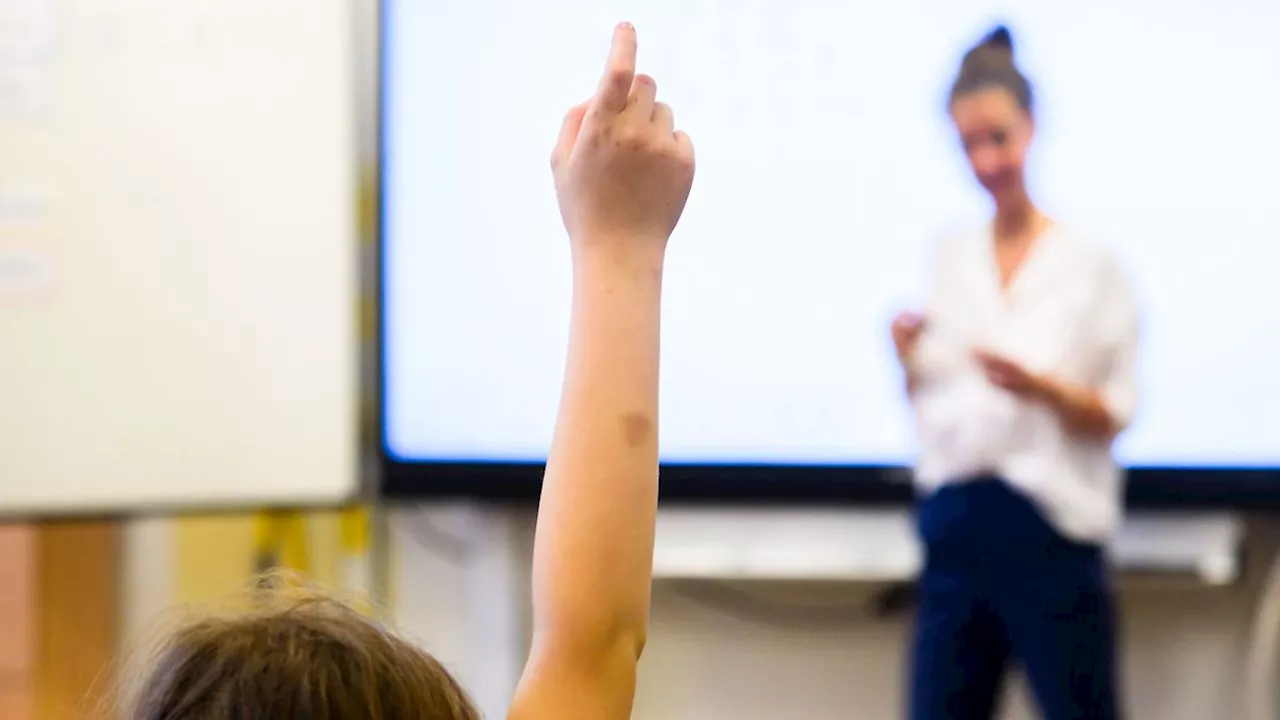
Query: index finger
(619,71)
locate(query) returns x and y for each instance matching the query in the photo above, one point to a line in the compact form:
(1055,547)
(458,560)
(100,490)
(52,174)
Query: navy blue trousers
(1001,585)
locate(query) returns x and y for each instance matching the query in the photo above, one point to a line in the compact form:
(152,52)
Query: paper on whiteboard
(23,272)
(28,30)
(28,39)
(25,91)
(20,207)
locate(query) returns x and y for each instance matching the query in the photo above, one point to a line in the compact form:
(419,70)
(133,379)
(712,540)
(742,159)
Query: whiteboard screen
(827,168)
(177,254)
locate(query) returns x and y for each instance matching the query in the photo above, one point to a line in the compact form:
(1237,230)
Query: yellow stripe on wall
(213,556)
(216,556)
(295,542)
(324,549)
(355,531)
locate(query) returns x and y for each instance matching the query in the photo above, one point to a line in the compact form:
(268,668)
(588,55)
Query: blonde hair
(291,652)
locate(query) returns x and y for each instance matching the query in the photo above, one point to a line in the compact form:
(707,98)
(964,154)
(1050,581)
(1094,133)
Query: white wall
(739,653)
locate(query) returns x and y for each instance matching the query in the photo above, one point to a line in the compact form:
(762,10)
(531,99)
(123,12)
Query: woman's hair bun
(990,64)
(999,37)
(995,51)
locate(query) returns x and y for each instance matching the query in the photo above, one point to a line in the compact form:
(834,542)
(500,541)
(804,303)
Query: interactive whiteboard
(177,254)
(827,169)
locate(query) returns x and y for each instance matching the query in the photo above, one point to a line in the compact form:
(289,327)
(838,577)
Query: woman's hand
(906,330)
(1009,375)
(1081,410)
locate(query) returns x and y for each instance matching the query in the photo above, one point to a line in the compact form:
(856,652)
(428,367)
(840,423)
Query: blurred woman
(1021,375)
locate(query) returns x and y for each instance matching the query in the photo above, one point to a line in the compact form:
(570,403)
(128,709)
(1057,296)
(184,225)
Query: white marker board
(178,255)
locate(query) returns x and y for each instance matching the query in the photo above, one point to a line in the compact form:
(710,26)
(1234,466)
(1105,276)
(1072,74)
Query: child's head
(295,655)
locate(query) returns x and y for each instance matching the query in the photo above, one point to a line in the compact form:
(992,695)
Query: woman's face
(995,133)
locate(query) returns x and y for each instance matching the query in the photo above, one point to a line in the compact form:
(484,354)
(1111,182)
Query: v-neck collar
(1030,260)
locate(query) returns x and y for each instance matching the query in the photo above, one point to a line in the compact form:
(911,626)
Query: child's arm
(622,175)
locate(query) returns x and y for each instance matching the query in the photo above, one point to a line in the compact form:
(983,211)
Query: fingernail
(624,25)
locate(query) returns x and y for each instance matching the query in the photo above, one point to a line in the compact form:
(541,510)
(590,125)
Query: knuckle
(636,144)
(596,118)
(620,78)
(600,134)
(634,138)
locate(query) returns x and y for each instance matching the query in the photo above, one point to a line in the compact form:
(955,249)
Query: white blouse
(1068,313)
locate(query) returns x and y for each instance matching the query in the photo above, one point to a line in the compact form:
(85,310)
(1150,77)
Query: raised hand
(622,175)
(622,171)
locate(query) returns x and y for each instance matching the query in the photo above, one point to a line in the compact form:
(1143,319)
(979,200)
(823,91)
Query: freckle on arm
(637,429)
